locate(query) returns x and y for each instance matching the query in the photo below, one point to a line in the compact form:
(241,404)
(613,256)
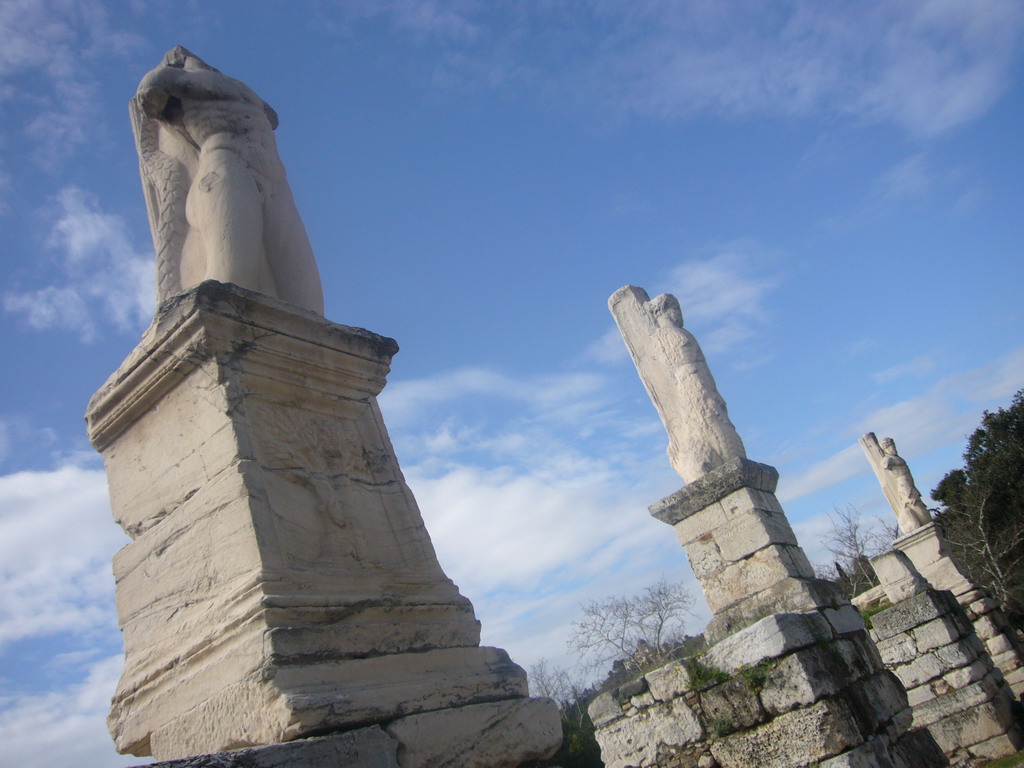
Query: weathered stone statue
(280,583)
(897,482)
(220,207)
(825,698)
(677,379)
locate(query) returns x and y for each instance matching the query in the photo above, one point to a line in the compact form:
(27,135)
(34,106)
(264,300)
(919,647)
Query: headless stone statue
(220,207)
(677,379)
(897,482)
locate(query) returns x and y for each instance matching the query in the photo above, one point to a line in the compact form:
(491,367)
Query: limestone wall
(952,685)
(788,691)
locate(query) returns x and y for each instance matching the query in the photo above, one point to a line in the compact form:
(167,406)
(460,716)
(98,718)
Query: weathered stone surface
(604,709)
(871,754)
(978,724)
(897,575)
(803,677)
(952,703)
(985,627)
(219,203)
(844,619)
(897,483)
(635,741)
(668,682)
(917,749)
(738,581)
(798,738)
(898,649)
(733,703)
(937,633)
(791,595)
(280,581)
(771,637)
(364,748)
(503,734)
(996,747)
(676,376)
(912,612)
(713,487)
(876,700)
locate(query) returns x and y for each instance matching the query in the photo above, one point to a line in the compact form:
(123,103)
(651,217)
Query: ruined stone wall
(788,691)
(953,687)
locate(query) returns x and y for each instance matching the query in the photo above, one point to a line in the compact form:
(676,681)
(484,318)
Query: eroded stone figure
(219,203)
(676,376)
(897,482)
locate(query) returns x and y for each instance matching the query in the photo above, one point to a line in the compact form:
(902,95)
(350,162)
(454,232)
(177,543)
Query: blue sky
(832,191)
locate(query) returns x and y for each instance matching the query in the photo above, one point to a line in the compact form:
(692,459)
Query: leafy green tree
(982,506)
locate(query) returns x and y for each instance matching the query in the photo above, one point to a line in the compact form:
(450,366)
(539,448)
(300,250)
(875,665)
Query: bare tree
(637,630)
(557,683)
(852,544)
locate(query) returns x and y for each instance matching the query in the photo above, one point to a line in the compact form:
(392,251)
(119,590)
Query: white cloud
(528,548)
(65,726)
(565,396)
(919,366)
(847,463)
(927,67)
(104,278)
(942,415)
(59,42)
(57,539)
(723,295)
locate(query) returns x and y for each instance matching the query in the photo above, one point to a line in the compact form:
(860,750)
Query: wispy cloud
(567,394)
(724,294)
(103,278)
(927,67)
(942,415)
(919,366)
(59,42)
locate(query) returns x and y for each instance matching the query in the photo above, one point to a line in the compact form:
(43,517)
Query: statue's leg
(290,255)
(226,207)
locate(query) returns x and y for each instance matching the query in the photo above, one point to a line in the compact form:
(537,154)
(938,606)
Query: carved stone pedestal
(927,549)
(280,582)
(790,677)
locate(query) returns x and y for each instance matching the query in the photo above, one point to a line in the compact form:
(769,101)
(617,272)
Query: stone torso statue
(677,379)
(897,482)
(219,203)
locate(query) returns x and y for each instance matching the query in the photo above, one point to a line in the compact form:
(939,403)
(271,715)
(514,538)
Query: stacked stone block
(955,690)
(791,677)
(787,691)
(928,550)
(952,685)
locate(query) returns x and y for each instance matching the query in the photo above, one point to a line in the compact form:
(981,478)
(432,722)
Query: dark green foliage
(982,506)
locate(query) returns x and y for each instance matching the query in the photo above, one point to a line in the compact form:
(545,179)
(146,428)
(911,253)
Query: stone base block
(365,748)
(801,737)
(280,582)
(500,735)
(791,595)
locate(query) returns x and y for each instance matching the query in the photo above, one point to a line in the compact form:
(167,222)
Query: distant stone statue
(897,482)
(677,379)
(219,203)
